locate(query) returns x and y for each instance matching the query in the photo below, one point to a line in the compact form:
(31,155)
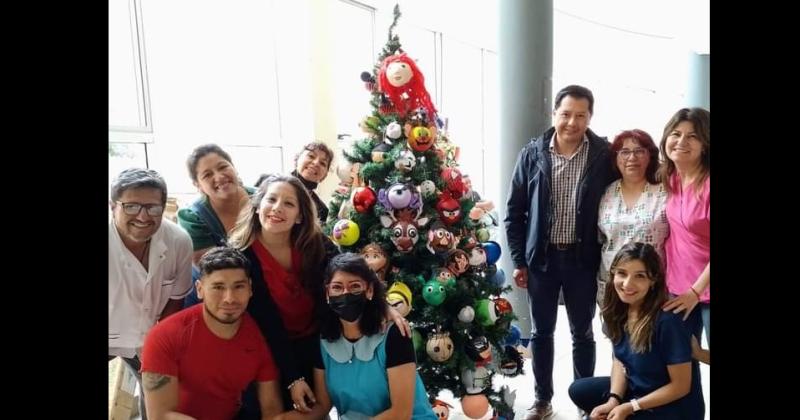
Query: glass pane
(353,54)
(124,99)
(122,156)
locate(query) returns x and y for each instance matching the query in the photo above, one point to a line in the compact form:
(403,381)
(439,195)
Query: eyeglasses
(338,289)
(133,209)
(626,153)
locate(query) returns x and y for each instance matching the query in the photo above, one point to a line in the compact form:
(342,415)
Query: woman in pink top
(686,173)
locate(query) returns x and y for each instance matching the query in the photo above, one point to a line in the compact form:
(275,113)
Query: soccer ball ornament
(346,232)
(466,314)
(439,347)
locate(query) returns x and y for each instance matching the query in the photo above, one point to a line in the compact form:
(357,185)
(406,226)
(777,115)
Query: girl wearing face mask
(366,368)
(652,374)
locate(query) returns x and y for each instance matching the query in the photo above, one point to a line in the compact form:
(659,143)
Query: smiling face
(313,165)
(279,210)
(399,73)
(683,145)
(632,282)
(140,227)
(571,119)
(632,160)
(216,177)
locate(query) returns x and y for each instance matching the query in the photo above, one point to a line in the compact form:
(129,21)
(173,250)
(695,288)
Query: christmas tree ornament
(405,161)
(477,259)
(498,278)
(511,363)
(482,234)
(475,380)
(346,232)
(399,297)
(457,261)
(380,151)
(416,339)
(433,292)
(502,306)
(369,81)
(453,182)
(466,314)
(513,337)
(479,350)
(419,132)
(439,346)
(403,83)
(493,251)
(404,226)
(393,131)
(475,406)
(399,196)
(363,199)
(441,409)
(377,259)
(444,276)
(485,312)
(427,188)
(448,208)
(440,240)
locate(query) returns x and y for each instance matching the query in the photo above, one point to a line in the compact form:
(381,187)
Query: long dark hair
(371,321)
(615,312)
(306,237)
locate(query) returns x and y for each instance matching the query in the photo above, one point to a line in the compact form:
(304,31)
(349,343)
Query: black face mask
(348,306)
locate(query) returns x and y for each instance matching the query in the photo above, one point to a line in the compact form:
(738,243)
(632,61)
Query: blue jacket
(528,208)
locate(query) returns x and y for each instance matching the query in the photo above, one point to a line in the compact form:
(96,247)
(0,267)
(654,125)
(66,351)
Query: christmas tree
(403,205)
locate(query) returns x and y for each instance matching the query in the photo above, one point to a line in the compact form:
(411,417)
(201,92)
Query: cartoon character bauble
(345,232)
(427,188)
(404,226)
(402,82)
(457,261)
(419,132)
(393,131)
(377,259)
(434,293)
(466,314)
(441,409)
(440,240)
(475,380)
(439,347)
(399,297)
(399,196)
(511,362)
(444,276)
(405,161)
(448,208)
(380,151)
(479,350)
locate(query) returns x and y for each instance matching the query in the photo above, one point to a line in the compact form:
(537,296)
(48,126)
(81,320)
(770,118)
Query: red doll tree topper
(403,83)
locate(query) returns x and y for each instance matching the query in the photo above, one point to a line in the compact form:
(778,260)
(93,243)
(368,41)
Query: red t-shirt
(212,372)
(295,304)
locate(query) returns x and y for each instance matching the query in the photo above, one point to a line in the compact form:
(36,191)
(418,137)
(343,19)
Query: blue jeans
(579,288)
(588,393)
(192,299)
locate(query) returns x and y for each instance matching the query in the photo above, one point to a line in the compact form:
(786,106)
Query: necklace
(142,257)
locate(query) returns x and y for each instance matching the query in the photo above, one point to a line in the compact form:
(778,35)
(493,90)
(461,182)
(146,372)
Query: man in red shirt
(197,362)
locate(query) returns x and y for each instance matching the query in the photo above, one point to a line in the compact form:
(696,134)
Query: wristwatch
(635,404)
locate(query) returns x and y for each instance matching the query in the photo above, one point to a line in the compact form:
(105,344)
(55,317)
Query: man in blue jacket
(551,225)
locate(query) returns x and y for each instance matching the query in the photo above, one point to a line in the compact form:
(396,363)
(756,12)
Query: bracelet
(635,404)
(295,382)
(615,396)
(695,292)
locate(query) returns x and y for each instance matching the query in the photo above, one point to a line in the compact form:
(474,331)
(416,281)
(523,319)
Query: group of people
(271,299)
(611,223)
(269,320)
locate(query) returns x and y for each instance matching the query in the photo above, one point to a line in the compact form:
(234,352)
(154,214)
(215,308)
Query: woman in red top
(288,251)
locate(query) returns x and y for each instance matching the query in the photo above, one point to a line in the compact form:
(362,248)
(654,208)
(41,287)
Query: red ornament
(453,182)
(448,208)
(363,199)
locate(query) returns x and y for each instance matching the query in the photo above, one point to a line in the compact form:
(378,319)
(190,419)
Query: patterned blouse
(618,225)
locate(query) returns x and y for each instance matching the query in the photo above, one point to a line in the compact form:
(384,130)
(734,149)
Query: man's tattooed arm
(153,381)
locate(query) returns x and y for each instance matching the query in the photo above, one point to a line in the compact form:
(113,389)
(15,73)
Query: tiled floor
(563,408)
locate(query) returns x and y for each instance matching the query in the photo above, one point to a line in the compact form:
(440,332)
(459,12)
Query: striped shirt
(565,174)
